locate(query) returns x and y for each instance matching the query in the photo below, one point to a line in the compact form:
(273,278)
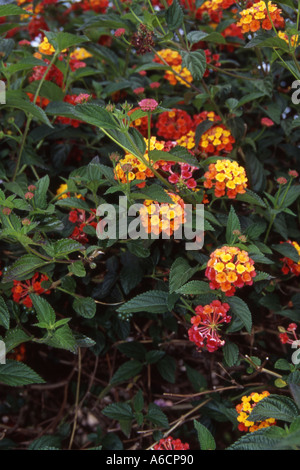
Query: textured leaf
(16,373)
(231,353)
(154,301)
(233,224)
(85,307)
(44,311)
(180,273)
(241,310)
(174,16)
(118,411)
(262,439)
(4,314)
(126,371)
(275,406)
(157,416)
(205,437)
(195,62)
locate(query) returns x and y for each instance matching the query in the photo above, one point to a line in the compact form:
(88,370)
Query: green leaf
(126,371)
(11,10)
(153,301)
(275,406)
(194,288)
(251,198)
(23,268)
(138,402)
(63,338)
(61,40)
(27,107)
(195,62)
(16,374)
(85,307)
(180,273)
(4,314)
(77,269)
(118,411)
(133,349)
(288,250)
(14,337)
(196,36)
(262,439)
(233,224)
(265,40)
(157,416)
(290,197)
(44,311)
(40,194)
(205,437)
(167,368)
(294,385)
(174,16)
(231,353)
(241,310)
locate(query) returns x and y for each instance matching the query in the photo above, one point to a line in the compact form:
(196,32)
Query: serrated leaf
(16,374)
(61,40)
(288,250)
(205,437)
(77,269)
(85,307)
(180,273)
(154,301)
(231,353)
(118,411)
(174,16)
(262,439)
(157,416)
(241,310)
(63,338)
(194,288)
(45,313)
(14,337)
(275,406)
(4,314)
(126,371)
(233,224)
(167,368)
(195,62)
(23,268)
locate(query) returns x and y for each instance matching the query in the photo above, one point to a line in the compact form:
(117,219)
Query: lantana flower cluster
(284,334)
(174,59)
(256,17)
(163,218)
(290,266)
(169,443)
(230,267)
(244,410)
(181,174)
(215,141)
(226,177)
(82,218)
(130,168)
(22,289)
(171,125)
(206,323)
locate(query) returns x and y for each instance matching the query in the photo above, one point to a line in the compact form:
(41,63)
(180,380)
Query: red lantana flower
(171,444)
(22,289)
(79,217)
(206,323)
